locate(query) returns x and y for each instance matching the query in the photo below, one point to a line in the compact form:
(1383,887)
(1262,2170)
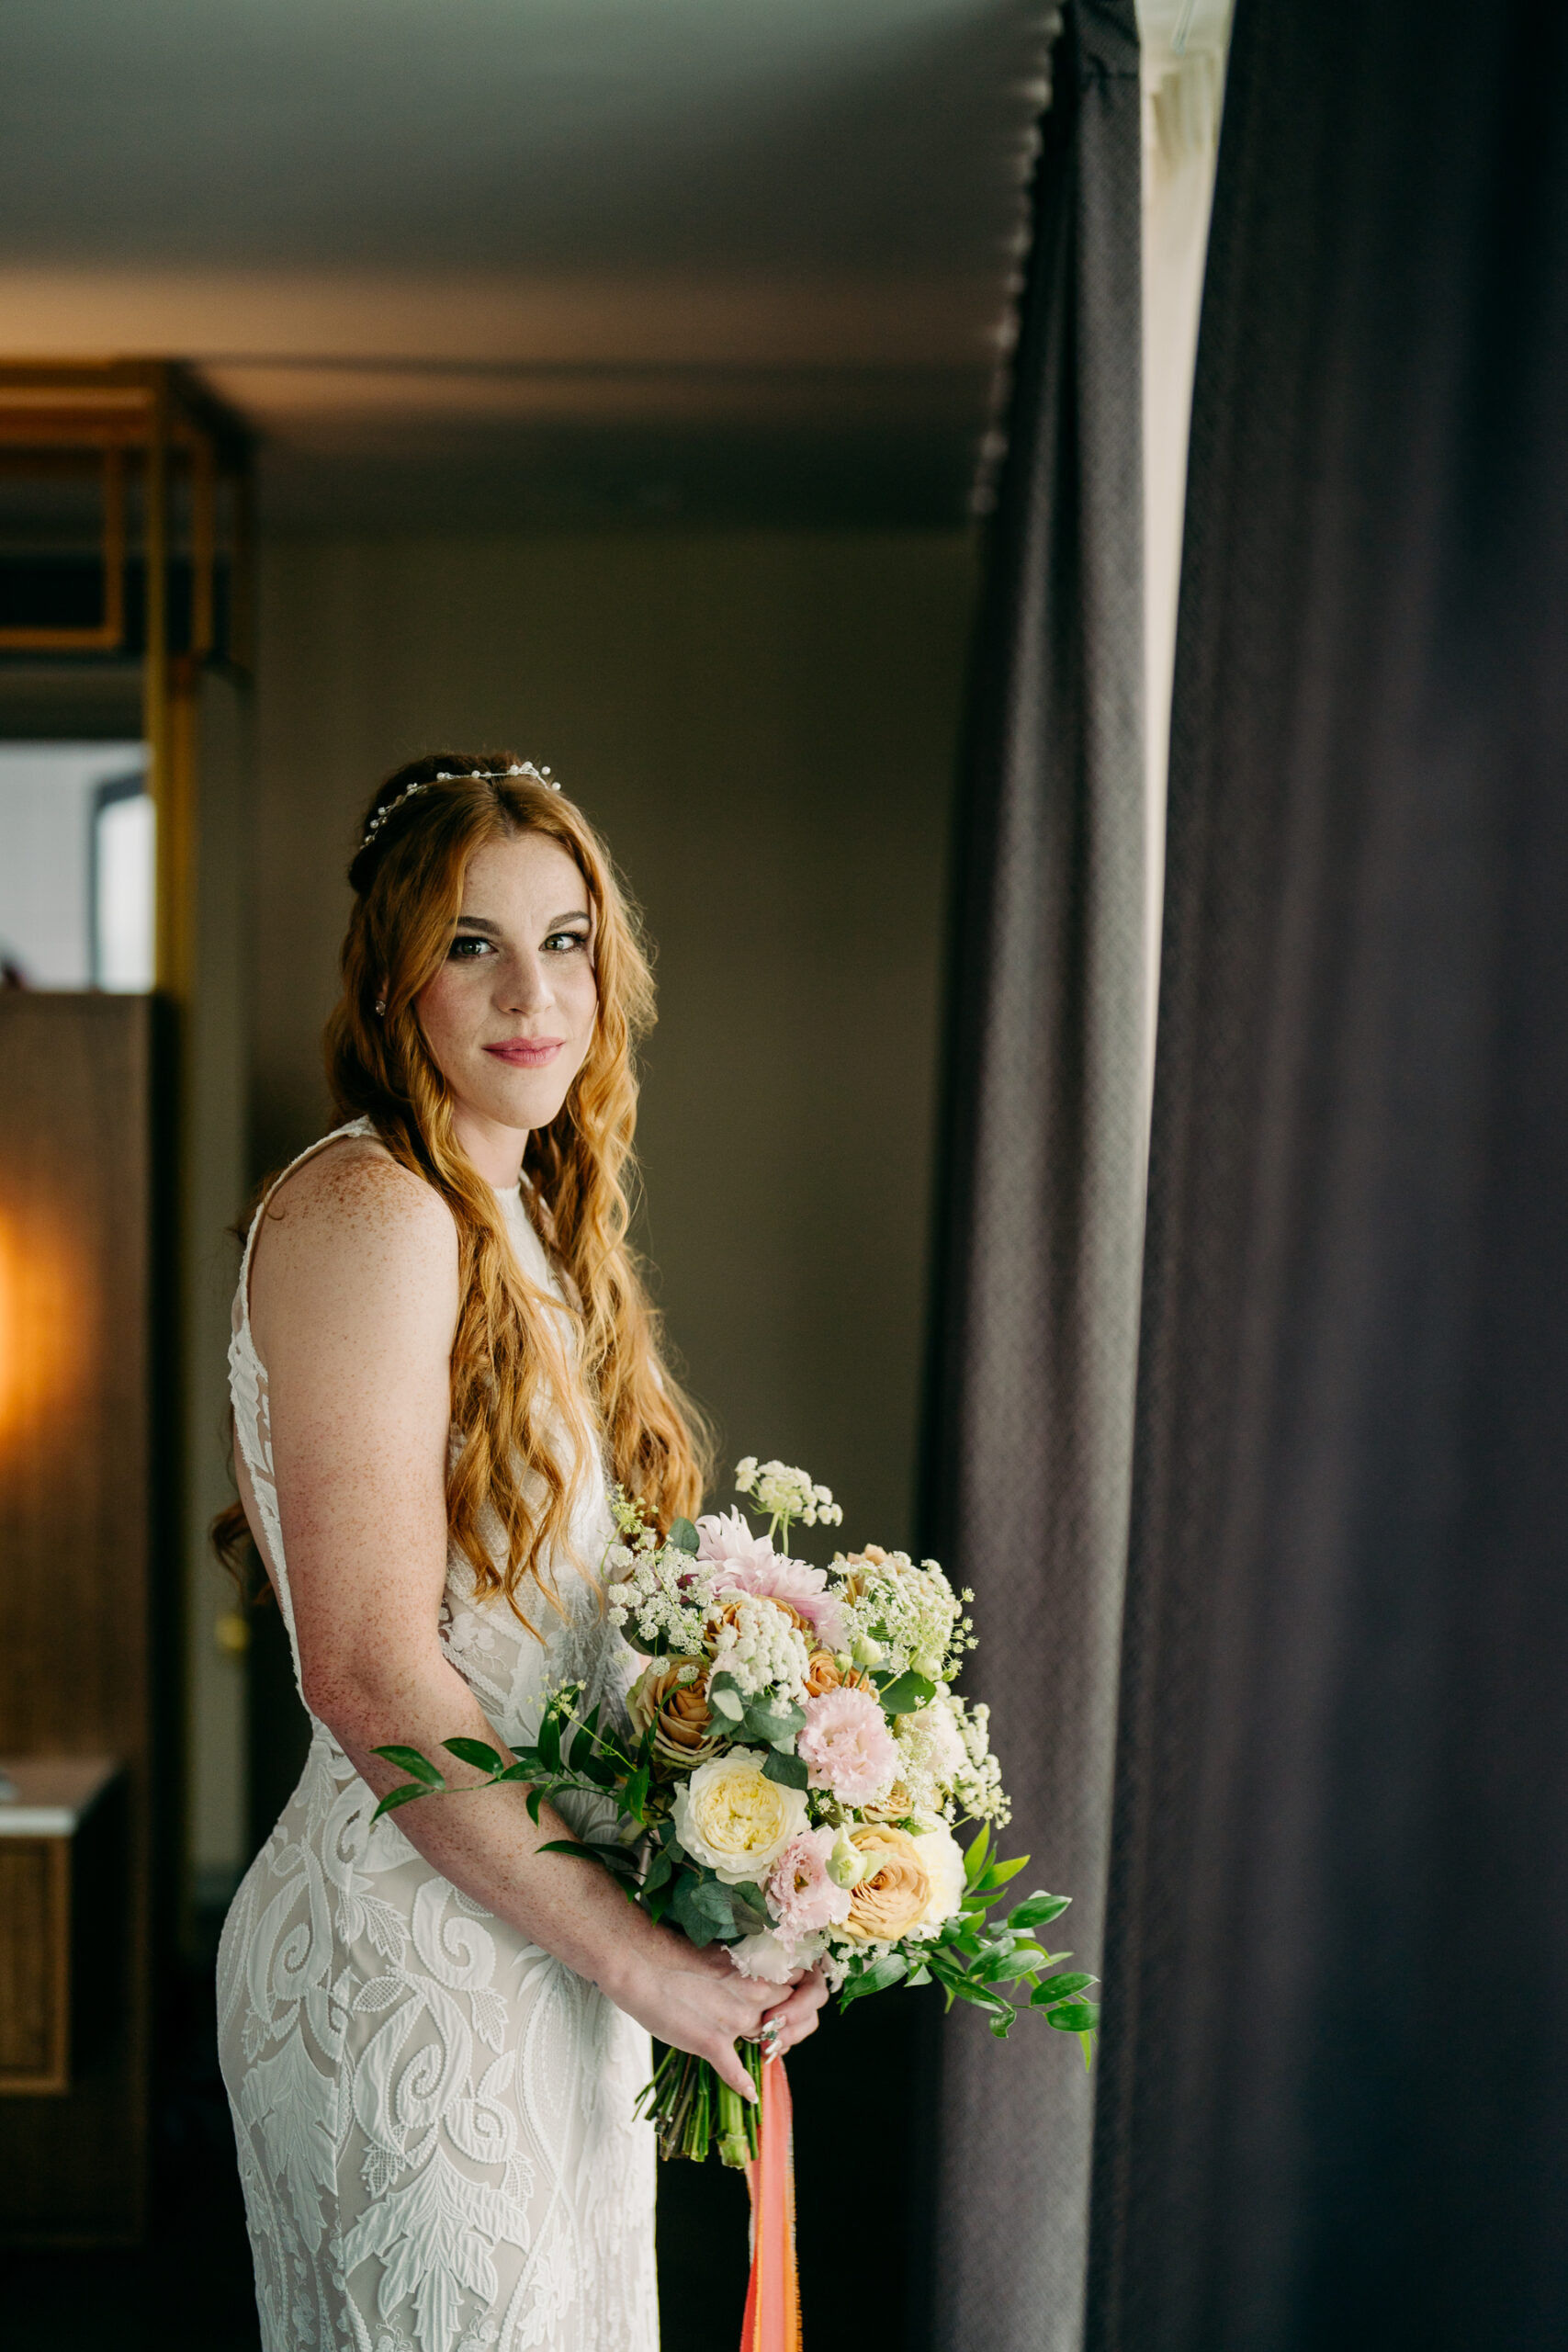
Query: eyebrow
(482,922)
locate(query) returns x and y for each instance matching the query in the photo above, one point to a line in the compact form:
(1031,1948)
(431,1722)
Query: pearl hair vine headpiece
(453,776)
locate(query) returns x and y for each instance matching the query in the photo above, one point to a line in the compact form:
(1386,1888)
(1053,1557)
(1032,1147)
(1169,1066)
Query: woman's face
(510,1015)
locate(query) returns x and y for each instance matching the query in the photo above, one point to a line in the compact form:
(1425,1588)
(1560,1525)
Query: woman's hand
(694,2000)
(793,2019)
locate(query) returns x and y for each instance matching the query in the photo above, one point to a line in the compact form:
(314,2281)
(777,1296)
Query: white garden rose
(734,1822)
(943,1859)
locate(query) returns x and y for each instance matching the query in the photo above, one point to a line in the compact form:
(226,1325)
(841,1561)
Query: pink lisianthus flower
(848,1747)
(749,1563)
(804,1898)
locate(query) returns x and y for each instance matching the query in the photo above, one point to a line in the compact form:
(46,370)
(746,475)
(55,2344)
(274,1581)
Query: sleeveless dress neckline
(434,2116)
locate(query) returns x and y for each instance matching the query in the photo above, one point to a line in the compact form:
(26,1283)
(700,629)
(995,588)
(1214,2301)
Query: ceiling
(491,261)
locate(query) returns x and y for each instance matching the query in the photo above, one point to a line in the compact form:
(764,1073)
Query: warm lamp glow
(41,1323)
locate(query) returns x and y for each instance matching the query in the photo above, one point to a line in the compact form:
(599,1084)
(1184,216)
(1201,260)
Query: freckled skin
(354,1306)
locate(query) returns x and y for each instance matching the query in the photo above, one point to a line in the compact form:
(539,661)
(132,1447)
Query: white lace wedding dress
(434,2116)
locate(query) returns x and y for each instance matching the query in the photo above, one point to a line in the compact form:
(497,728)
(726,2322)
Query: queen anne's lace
(434,2117)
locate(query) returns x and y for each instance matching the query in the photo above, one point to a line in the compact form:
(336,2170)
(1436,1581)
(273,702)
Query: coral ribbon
(772,2298)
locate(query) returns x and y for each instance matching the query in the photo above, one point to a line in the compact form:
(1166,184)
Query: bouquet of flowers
(790,1780)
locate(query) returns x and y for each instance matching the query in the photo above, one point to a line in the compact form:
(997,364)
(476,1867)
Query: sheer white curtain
(1184,44)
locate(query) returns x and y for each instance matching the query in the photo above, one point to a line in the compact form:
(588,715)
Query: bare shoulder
(351,1230)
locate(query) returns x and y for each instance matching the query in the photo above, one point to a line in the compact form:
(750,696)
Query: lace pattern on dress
(434,2116)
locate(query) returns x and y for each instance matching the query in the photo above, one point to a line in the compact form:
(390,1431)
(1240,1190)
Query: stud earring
(381,1006)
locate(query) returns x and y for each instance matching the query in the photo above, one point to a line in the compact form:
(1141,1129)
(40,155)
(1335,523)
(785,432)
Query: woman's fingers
(791,2020)
(727,2063)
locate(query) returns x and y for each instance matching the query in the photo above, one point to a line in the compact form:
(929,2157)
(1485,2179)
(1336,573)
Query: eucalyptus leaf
(789,1771)
(774,1726)
(724,1697)
(683,1536)
(750,1911)
(908,1693)
(704,1909)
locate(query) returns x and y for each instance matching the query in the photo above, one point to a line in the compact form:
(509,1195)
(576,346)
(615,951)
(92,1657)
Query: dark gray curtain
(1335,2090)
(1036,1318)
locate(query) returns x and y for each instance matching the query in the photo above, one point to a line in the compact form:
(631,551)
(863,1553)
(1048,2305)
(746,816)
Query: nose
(525,984)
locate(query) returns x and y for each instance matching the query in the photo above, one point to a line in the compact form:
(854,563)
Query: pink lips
(527,1053)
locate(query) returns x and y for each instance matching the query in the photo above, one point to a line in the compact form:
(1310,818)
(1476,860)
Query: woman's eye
(470,945)
(562,941)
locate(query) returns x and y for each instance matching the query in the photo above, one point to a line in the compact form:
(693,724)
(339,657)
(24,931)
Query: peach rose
(893,1896)
(822,1674)
(670,1693)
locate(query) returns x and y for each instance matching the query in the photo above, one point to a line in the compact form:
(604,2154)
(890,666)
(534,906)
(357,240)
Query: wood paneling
(35,1936)
(78,1657)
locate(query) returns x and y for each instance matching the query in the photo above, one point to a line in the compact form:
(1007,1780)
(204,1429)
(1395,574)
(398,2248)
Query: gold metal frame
(150,421)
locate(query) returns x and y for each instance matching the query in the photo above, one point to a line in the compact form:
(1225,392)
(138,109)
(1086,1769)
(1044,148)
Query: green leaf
(1001,1968)
(789,1771)
(974,1859)
(1059,1988)
(1002,2025)
(636,1794)
(703,1909)
(774,1726)
(1075,2016)
(618,1859)
(403,1795)
(474,1752)
(660,1870)
(885,1972)
(529,1766)
(1088,2041)
(683,1535)
(1038,1910)
(726,1699)
(996,1876)
(910,1692)
(750,1909)
(549,1742)
(411,1760)
(920,1975)
(535,1798)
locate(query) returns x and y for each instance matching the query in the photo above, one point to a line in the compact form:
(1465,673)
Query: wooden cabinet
(89,1623)
(61,1919)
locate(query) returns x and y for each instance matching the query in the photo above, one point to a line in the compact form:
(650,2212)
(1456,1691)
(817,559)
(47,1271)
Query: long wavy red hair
(507,1355)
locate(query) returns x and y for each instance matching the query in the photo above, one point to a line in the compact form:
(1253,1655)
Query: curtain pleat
(1334,2103)
(1036,1308)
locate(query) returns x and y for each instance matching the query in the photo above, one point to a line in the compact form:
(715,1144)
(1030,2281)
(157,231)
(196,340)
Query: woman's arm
(353,1304)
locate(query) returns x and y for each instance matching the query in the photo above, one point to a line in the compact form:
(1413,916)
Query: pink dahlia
(848,1747)
(750,1564)
(804,1897)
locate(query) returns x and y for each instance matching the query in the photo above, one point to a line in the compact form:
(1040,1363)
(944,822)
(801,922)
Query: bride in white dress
(432,2032)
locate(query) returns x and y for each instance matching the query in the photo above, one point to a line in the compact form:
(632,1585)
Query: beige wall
(765,726)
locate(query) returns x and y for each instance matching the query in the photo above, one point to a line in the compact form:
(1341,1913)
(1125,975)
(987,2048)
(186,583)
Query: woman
(432,2032)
